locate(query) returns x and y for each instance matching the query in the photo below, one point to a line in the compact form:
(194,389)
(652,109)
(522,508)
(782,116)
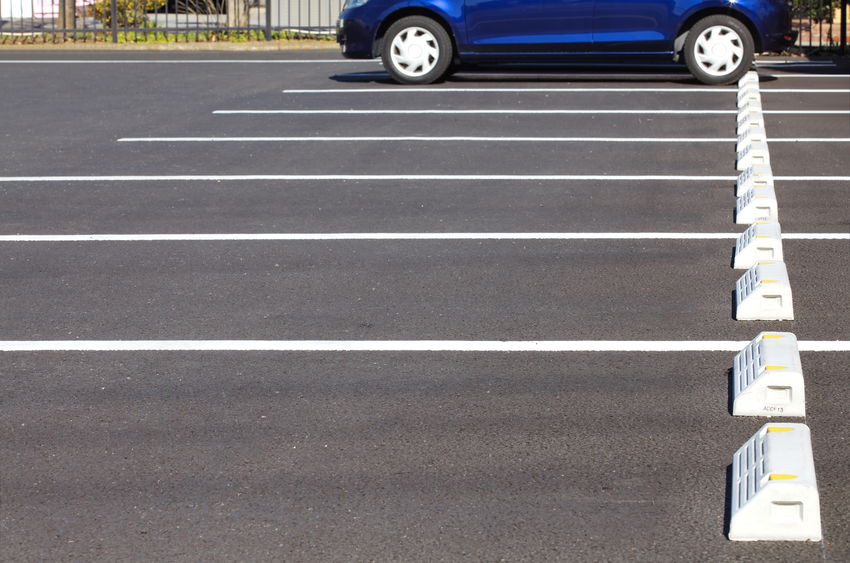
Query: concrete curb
(282,45)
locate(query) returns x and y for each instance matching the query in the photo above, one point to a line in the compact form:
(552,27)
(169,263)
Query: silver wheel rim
(414,51)
(719,50)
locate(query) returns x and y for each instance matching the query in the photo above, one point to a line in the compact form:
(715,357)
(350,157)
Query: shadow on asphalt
(730,396)
(727,502)
(533,74)
(591,72)
(376,77)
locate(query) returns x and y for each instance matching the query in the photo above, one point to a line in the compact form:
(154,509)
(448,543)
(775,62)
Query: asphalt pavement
(311,455)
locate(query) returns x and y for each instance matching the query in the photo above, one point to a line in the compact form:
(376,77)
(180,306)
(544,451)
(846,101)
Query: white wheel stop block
(754,154)
(747,83)
(750,107)
(752,77)
(768,377)
(774,490)
(750,135)
(757,204)
(763,293)
(748,119)
(749,95)
(754,177)
(761,241)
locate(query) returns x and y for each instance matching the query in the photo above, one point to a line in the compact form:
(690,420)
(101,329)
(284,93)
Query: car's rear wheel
(719,50)
(416,50)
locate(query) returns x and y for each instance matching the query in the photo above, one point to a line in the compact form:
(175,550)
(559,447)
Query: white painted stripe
(425,139)
(812,178)
(795,75)
(474,112)
(823,345)
(406,177)
(396,236)
(402,345)
(759,62)
(174,61)
(516,112)
(804,90)
(501,90)
(467,139)
(353,177)
(816,236)
(810,140)
(438,90)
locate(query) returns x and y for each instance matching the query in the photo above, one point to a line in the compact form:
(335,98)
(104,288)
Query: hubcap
(414,51)
(719,50)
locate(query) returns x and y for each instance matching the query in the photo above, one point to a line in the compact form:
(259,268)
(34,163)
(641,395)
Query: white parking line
(469,139)
(435,90)
(495,89)
(158,237)
(764,75)
(795,63)
(514,112)
(810,140)
(402,345)
(812,178)
(405,177)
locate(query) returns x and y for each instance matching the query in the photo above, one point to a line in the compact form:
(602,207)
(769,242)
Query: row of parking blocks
(774,493)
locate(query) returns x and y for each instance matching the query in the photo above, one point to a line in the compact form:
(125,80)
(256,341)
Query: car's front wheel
(416,50)
(719,50)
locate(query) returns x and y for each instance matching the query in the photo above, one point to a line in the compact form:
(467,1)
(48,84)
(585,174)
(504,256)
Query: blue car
(422,41)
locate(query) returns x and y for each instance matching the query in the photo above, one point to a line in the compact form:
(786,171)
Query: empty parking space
(404,290)
(216,447)
(361,206)
(494,455)
(402,206)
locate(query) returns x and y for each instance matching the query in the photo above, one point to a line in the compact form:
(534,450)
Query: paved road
(311,455)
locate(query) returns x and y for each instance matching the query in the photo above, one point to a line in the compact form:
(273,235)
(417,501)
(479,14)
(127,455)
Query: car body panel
(546,29)
(528,25)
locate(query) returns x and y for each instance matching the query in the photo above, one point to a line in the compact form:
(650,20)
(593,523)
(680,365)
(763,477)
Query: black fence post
(67,16)
(114,8)
(269,20)
(844,4)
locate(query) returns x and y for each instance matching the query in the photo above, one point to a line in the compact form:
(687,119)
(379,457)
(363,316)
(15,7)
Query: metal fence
(120,21)
(822,24)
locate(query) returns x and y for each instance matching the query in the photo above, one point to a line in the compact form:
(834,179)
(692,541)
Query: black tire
(417,50)
(719,50)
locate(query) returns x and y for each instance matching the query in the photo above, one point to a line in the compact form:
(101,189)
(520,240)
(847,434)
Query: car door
(528,26)
(634,26)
